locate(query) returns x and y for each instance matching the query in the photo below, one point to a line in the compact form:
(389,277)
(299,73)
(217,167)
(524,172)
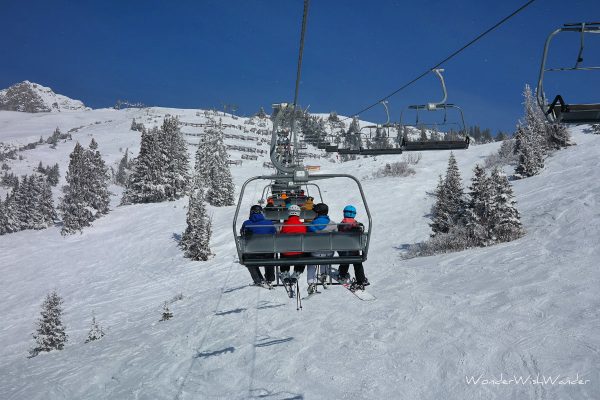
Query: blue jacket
(265,225)
(320,224)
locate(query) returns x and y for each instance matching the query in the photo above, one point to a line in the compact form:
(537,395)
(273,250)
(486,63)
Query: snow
(522,308)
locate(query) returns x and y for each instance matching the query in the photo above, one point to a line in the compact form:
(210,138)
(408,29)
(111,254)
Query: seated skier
(350,224)
(292,225)
(258,224)
(321,224)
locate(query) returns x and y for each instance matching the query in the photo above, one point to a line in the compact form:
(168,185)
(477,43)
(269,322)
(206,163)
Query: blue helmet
(349,212)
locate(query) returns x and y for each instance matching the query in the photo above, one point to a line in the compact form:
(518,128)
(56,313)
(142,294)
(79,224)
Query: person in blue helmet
(350,224)
(258,224)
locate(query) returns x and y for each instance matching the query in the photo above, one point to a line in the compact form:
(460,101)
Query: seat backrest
(303,242)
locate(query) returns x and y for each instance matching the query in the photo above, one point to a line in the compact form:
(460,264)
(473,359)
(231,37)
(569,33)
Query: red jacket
(288,227)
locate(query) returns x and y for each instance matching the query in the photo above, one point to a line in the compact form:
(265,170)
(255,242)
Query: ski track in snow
(522,308)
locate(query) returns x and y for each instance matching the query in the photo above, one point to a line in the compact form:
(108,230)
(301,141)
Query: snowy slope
(34,98)
(523,308)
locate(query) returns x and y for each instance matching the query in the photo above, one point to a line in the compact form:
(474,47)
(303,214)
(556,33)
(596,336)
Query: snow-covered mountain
(34,98)
(528,308)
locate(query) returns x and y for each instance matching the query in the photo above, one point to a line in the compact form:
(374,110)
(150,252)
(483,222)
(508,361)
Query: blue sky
(200,54)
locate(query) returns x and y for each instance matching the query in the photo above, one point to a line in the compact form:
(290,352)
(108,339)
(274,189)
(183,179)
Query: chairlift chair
(559,110)
(443,107)
(355,241)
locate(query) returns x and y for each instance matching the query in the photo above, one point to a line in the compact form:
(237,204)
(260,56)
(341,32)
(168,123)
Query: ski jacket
(308,205)
(293,225)
(257,224)
(322,224)
(349,225)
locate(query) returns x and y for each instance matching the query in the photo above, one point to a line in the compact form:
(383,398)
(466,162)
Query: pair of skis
(362,294)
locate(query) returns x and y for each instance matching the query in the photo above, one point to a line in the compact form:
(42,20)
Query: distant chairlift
(438,107)
(559,110)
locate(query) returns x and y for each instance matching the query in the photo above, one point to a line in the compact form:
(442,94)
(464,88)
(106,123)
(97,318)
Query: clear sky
(202,53)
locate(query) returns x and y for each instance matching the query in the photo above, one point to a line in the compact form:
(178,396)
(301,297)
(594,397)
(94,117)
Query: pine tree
(43,214)
(529,147)
(96,332)
(123,170)
(76,210)
(195,241)
(24,203)
(3,219)
(144,185)
(99,196)
(50,333)
(454,191)
(212,170)
(440,219)
(351,140)
(261,113)
(221,191)
(9,222)
(557,136)
(174,156)
(53,175)
(480,207)
(505,221)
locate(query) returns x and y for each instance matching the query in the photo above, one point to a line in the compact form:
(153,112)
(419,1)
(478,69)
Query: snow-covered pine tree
(380,140)
(557,136)
(221,191)
(530,149)
(423,134)
(174,156)
(205,160)
(50,333)
(534,119)
(3,219)
(99,196)
(261,113)
(96,332)
(24,203)
(454,192)
(479,211)
(9,222)
(505,221)
(123,170)
(76,212)
(43,213)
(351,140)
(195,241)
(440,219)
(53,175)
(145,182)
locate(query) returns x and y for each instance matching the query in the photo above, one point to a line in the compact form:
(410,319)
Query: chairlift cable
(298,76)
(455,53)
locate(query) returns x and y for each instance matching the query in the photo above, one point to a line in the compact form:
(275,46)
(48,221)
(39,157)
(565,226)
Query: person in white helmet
(292,225)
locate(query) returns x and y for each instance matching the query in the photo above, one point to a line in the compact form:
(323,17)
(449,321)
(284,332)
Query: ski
(360,293)
(262,285)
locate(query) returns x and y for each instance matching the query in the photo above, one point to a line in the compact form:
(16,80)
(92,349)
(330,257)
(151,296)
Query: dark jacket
(257,224)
